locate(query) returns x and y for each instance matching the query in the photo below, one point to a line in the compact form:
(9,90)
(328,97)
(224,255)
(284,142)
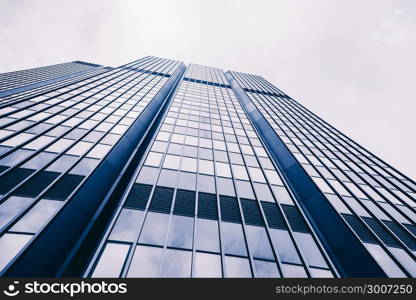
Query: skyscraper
(154,169)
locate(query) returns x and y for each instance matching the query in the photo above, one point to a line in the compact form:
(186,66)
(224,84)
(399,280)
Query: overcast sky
(351,62)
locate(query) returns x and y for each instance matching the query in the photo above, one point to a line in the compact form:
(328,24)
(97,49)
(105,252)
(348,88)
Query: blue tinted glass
(207,236)
(111,261)
(207,265)
(181,231)
(265,269)
(154,229)
(233,239)
(145,262)
(258,242)
(237,267)
(12,207)
(37,216)
(309,250)
(284,246)
(177,263)
(127,225)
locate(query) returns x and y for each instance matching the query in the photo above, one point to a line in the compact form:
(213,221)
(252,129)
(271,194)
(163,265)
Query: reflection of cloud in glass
(233,238)
(207,236)
(207,265)
(111,261)
(237,267)
(154,229)
(12,207)
(146,261)
(181,231)
(34,220)
(266,268)
(177,263)
(127,225)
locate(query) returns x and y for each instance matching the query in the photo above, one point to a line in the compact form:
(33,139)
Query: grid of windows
(11,80)
(207,201)
(50,144)
(371,196)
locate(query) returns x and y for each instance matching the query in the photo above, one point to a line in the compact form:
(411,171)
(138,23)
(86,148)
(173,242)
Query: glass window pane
(187,181)
(223,169)
(207,235)
(188,164)
(99,151)
(240,172)
(206,167)
(244,189)
(12,207)
(177,263)
(127,225)
(310,250)
(37,217)
(233,239)
(85,166)
(148,175)
(171,162)
(284,246)
(181,232)
(237,267)
(292,271)
(111,261)
(319,273)
(153,159)
(256,175)
(207,265)
(265,269)
(145,262)
(206,184)
(10,245)
(258,242)
(154,229)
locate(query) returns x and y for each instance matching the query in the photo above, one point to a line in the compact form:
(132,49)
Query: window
(171,162)
(223,169)
(181,231)
(264,269)
(310,250)
(127,225)
(60,145)
(233,239)
(111,261)
(240,172)
(207,265)
(384,260)
(37,217)
(244,189)
(293,271)
(237,267)
(99,151)
(154,159)
(284,246)
(79,148)
(188,164)
(145,262)
(256,175)
(12,207)
(207,235)
(273,177)
(258,242)
(154,229)
(177,263)
(206,167)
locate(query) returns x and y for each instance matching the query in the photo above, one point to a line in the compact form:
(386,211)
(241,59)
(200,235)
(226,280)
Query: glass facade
(179,167)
